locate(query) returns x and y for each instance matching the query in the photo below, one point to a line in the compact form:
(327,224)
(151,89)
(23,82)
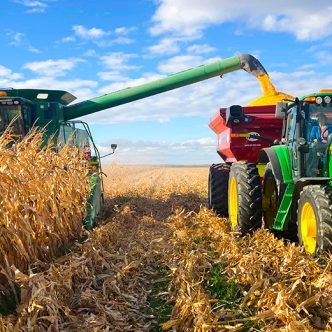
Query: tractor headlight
(319,100)
(327,99)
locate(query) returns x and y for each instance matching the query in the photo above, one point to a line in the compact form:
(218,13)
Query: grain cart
(277,166)
(50,109)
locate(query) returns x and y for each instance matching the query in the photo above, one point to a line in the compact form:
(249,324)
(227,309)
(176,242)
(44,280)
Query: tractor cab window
(319,137)
(291,125)
(319,123)
(11,115)
(291,137)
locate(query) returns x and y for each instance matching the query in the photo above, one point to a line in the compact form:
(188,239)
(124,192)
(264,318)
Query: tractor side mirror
(281,109)
(114,146)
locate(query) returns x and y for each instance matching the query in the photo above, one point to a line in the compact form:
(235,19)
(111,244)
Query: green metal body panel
(94,203)
(285,163)
(283,213)
(281,219)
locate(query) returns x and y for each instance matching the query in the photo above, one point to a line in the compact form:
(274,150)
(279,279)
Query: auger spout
(246,62)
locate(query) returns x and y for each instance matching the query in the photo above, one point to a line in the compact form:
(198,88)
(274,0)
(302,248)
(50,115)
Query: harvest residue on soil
(160,259)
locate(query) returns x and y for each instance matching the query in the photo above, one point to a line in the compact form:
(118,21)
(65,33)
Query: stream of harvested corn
(160,256)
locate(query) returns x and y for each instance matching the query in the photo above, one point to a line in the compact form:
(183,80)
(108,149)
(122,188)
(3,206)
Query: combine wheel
(244,197)
(218,188)
(314,217)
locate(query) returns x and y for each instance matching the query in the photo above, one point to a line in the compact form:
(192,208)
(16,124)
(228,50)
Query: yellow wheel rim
(308,228)
(233,203)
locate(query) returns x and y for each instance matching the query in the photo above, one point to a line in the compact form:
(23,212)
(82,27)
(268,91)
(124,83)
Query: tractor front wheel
(314,217)
(244,197)
(218,188)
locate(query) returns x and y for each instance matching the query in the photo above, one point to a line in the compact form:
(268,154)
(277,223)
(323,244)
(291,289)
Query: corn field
(159,259)
(43,196)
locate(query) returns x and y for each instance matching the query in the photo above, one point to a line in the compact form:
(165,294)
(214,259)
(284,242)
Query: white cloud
(112,76)
(124,30)
(307,20)
(52,68)
(122,41)
(34,6)
(180,62)
(200,49)
(16,38)
(324,57)
(118,61)
(19,39)
(99,36)
(8,74)
(93,33)
(165,46)
(68,39)
(90,53)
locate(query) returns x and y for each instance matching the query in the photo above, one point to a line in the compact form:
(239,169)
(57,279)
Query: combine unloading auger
(244,61)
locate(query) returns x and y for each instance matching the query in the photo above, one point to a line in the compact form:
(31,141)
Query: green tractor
(297,183)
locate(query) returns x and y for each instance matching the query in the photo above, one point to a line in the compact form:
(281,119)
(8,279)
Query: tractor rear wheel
(218,189)
(314,218)
(244,197)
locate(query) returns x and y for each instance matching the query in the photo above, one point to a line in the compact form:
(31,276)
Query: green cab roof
(35,95)
(322,93)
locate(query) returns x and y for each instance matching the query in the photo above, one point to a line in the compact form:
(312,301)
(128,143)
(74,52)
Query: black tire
(218,189)
(320,200)
(249,197)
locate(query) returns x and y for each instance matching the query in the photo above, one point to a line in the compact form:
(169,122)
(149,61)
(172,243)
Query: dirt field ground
(161,260)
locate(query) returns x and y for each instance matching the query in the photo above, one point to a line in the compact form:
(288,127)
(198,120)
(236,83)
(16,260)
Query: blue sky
(94,47)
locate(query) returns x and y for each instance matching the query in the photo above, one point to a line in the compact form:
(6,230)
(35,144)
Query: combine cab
(22,109)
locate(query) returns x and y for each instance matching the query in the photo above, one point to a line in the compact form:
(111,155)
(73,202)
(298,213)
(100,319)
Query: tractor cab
(308,134)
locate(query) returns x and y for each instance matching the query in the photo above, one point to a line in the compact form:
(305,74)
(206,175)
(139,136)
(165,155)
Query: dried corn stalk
(42,200)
